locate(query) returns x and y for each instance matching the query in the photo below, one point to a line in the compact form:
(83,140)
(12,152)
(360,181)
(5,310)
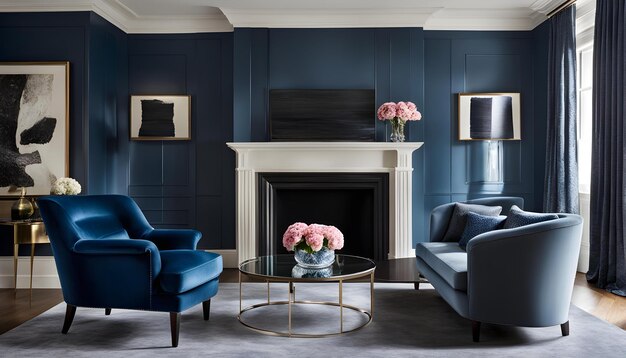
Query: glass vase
(397,130)
(320,259)
(301,272)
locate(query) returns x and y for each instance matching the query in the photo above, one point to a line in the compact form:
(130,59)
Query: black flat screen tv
(309,115)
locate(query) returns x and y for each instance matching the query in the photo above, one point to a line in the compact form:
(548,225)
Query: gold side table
(26,232)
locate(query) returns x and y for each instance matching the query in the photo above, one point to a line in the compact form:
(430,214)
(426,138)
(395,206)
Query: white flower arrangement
(65,186)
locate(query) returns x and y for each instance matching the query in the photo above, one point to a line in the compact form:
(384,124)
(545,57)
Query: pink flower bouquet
(398,114)
(312,238)
(404,111)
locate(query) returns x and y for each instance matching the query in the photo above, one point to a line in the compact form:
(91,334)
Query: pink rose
(314,236)
(412,106)
(387,111)
(402,111)
(293,235)
(315,241)
(334,237)
(415,116)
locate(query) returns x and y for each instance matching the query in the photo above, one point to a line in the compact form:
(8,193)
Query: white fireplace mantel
(342,157)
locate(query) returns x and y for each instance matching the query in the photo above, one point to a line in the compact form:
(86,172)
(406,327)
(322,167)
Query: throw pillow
(479,224)
(459,218)
(518,217)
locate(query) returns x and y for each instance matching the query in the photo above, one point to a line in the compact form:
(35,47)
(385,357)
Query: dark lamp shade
(491,117)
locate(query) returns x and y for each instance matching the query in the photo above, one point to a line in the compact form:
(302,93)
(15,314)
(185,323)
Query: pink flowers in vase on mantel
(398,114)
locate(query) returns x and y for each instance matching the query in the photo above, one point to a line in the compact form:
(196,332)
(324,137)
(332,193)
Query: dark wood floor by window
(19,307)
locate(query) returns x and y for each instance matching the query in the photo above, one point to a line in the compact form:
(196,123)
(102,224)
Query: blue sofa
(521,276)
(108,256)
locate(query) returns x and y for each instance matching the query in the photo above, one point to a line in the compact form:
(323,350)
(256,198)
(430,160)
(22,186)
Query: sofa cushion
(479,224)
(518,217)
(183,270)
(459,218)
(447,259)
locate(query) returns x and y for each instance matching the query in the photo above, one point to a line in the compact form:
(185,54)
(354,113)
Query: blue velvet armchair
(108,256)
(521,276)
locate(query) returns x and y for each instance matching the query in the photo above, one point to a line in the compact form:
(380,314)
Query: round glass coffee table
(283,268)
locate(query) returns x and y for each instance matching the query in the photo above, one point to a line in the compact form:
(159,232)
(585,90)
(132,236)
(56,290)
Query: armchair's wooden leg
(416,285)
(69,317)
(175,327)
(565,329)
(206,309)
(476,331)
(107,311)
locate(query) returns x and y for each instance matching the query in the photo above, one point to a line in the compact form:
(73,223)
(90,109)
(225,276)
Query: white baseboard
(229,257)
(45,271)
(392,257)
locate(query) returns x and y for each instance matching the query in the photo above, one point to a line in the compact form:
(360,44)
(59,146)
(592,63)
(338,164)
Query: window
(584,93)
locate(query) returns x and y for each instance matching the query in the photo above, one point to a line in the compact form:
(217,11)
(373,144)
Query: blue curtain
(561,185)
(607,259)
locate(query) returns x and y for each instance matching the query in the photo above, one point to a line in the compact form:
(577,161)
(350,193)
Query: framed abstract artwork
(489,116)
(34,126)
(160,117)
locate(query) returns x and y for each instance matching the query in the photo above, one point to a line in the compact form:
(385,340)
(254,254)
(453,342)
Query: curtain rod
(561,7)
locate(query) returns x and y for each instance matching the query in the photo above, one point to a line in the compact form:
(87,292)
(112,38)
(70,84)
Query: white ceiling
(185,16)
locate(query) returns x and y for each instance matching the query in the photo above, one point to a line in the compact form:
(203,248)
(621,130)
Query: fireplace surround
(395,159)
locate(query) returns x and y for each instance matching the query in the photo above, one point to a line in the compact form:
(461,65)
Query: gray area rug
(407,323)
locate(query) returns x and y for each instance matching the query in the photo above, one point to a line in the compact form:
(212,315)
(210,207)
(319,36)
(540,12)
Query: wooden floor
(19,307)
(602,304)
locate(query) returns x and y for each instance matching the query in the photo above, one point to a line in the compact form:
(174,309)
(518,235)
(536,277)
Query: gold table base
(292,301)
(29,233)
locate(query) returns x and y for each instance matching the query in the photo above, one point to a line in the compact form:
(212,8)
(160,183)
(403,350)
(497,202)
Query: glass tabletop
(284,267)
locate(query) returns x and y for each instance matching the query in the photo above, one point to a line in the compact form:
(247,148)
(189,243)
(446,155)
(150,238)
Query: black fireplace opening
(356,203)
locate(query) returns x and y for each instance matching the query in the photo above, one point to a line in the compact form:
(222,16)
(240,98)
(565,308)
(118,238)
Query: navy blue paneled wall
(186,184)
(96,51)
(191,184)
(465,62)
(108,108)
(427,67)
(387,60)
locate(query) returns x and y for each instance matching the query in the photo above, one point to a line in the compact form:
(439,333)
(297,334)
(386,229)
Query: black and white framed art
(158,117)
(34,126)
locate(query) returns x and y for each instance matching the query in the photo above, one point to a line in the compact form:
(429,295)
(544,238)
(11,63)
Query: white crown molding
(172,24)
(236,14)
(45,6)
(327,18)
(519,19)
(544,6)
(123,17)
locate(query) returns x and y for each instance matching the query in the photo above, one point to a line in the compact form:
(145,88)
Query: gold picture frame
(37,96)
(160,117)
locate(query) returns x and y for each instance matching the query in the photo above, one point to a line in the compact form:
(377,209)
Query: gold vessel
(22,208)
